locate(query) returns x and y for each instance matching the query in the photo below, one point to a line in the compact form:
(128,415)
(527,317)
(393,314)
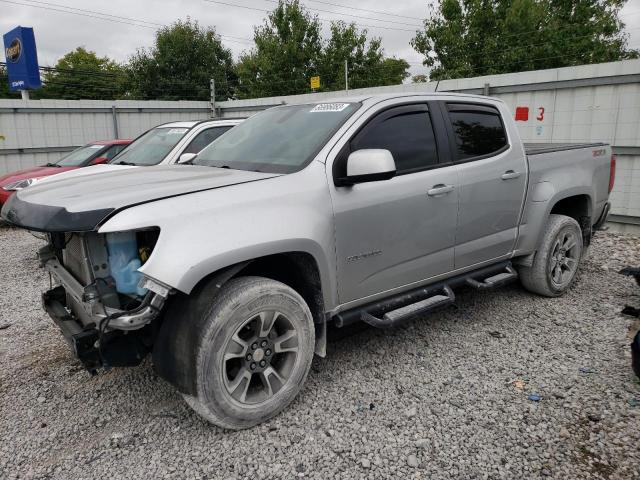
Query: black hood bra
(45,218)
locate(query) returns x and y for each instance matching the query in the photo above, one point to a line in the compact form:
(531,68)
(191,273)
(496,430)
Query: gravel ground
(451,395)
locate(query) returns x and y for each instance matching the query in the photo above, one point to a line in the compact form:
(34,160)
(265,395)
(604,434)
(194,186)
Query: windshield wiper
(52,165)
(122,162)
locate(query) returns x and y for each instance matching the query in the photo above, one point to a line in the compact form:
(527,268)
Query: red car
(93,153)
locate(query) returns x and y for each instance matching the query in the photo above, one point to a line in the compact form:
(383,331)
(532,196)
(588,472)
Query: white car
(166,144)
(175,142)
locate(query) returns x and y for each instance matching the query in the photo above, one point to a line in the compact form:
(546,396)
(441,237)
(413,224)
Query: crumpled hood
(82,203)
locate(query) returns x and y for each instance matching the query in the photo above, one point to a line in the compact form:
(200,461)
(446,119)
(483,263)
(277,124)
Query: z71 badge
(600,152)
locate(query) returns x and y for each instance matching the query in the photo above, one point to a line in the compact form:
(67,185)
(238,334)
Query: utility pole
(346,76)
(212,87)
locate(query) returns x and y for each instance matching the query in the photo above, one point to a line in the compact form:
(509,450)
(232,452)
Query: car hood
(89,170)
(34,172)
(82,203)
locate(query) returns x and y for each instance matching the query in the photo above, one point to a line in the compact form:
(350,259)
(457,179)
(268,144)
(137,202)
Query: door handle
(509,174)
(440,189)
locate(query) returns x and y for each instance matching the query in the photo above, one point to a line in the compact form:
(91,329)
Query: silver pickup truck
(375,209)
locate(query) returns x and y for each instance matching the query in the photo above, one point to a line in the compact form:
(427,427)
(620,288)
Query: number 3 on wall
(540,116)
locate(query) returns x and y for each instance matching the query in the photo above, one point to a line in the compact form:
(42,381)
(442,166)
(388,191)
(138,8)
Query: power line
(379,12)
(95,12)
(246,7)
(333,12)
(76,13)
(112,18)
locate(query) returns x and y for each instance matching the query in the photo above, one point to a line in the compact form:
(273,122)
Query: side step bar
(395,309)
(403,314)
(496,280)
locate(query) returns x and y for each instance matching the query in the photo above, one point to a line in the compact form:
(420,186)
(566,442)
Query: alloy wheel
(260,357)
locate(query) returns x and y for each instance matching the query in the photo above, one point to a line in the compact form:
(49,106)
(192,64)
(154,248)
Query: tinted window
(205,138)
(477,132)
(113,151)
(79,156)
(408,135)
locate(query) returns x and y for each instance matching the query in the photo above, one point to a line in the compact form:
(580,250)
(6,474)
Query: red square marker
(522,114)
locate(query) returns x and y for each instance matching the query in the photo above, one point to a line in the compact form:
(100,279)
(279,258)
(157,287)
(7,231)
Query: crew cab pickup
(376,209)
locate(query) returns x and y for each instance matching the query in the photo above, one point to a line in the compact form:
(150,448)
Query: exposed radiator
(76,259)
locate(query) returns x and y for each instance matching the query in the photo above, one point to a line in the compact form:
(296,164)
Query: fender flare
(175,346)
(563,195)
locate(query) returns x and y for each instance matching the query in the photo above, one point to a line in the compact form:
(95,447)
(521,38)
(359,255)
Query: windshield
(152,147)
(278,140)
(79,156)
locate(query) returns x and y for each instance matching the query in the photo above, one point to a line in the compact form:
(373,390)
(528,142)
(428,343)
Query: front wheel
(256,350)
(556,262)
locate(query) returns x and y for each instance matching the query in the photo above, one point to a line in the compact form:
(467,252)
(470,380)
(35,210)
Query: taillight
(612,173)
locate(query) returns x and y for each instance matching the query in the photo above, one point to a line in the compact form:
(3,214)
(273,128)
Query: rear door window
(478,130)
(204,138)
(406,132)
(113,151)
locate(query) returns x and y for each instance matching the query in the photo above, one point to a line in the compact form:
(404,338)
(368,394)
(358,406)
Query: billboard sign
(22,59)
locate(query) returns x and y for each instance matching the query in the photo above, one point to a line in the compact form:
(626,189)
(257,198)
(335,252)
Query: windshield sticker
(177,131)
(329,107)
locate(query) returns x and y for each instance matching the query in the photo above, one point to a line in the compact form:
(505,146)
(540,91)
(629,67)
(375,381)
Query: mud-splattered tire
(557,260)
(255,352)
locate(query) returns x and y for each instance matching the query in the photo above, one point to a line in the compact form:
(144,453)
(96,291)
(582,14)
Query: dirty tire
(543,277)
(255,351)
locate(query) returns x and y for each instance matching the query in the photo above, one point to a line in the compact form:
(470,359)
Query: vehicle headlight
(20,184)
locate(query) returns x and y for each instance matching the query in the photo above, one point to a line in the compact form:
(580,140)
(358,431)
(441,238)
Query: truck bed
(538,148)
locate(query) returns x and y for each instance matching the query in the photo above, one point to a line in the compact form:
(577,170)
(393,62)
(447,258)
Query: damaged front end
(104,306)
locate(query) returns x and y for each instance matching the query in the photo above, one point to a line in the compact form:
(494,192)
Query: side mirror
(187,157)
(99,160)
(369,165)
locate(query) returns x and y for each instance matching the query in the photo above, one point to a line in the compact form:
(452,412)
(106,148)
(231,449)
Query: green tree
(482,37)
(81,74)
(181,64)
(287,52)
(366,63)
(4,83)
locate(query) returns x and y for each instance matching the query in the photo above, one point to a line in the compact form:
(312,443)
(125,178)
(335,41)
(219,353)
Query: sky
(57,31)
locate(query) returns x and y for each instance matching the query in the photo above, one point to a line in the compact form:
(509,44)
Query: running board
(496,280)
(396,317)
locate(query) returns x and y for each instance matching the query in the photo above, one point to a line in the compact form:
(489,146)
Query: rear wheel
(255,353)
(556,262)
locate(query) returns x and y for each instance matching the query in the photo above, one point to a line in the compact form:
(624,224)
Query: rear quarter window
(478,131)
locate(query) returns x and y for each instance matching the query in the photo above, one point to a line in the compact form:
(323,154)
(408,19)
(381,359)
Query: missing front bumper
(83,340)
(95,351)
(86,302)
